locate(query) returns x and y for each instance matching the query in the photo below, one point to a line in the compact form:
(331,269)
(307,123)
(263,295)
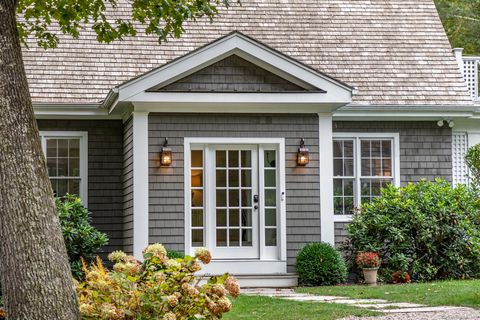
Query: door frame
(279,143)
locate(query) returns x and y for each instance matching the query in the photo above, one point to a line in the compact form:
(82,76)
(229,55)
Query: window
(66,156)
(362,165)
(197,202)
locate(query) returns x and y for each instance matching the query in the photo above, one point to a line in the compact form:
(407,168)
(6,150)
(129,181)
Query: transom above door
(235,203)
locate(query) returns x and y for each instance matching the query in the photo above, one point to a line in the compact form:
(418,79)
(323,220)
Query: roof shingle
(395,52)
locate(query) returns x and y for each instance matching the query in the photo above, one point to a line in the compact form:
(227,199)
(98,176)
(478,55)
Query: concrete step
(266,281)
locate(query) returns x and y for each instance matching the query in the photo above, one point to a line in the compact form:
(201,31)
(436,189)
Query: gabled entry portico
(238,186)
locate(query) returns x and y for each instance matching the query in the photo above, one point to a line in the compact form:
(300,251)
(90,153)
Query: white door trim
(280,146)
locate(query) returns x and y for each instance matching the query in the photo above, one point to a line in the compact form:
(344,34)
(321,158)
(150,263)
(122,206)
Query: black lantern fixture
(166,154)
(303,157)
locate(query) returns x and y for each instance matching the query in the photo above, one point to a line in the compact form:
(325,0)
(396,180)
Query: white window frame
(279,144)
(358,136)
(83,136)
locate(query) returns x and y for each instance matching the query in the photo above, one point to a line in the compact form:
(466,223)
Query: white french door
(235,200)
(233,214)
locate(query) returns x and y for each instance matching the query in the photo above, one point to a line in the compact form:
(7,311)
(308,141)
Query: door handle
(255,198)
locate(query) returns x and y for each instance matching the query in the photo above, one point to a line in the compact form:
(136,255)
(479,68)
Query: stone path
(407,310)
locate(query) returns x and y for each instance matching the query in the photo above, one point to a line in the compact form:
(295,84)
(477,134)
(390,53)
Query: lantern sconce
(303,157)
(166,155)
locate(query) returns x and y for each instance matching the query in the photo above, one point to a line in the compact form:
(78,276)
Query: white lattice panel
(459,149)
(470,73)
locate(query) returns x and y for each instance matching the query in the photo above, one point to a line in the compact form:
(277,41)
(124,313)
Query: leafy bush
(400,277)
(430,230)
(158,288)
(173,254)
(81,238)
(320,264)
(472,159)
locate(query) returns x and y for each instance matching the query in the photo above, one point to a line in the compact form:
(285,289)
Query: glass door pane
(234,198)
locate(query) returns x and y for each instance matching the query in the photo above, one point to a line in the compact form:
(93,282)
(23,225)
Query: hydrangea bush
(158,288)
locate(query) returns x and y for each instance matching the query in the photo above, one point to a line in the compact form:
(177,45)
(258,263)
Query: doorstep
(277,280)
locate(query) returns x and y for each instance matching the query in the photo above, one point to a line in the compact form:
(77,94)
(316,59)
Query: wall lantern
(303,157)
(166,154)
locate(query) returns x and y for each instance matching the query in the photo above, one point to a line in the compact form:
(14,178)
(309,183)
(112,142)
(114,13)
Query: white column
(140,183)
(327,228)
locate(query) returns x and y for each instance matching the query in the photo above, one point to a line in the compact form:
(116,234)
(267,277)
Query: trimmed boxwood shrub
(430,230)
(320,264)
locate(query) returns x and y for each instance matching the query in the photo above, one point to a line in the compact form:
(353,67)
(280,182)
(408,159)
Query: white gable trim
(137,90)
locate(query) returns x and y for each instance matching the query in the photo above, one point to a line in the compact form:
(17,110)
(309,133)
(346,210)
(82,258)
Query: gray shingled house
(198,141)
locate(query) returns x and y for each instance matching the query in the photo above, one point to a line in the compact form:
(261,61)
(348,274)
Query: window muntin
(362,166)
(270,189)
(233,177)
(66,157)
(344,176)
(197,178)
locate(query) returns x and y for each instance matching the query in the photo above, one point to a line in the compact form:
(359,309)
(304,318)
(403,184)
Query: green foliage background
(429,229)
(461,19)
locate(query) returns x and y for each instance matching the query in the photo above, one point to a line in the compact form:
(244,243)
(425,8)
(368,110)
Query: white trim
(140,183)
(327,225)
(83,135)
(242,46)
(334,94)
(395,136)
(245,267)
(190,143)
(72,111)
(355,112)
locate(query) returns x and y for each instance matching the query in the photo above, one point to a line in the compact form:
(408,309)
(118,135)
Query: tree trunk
(34,269)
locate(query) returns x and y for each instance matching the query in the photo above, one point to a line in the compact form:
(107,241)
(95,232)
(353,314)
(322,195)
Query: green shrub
(472,159)
(158,288)
(320,264)
(173,254)
(430,230)
(81,238)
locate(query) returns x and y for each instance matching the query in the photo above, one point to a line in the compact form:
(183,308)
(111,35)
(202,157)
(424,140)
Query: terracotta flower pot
(370,275)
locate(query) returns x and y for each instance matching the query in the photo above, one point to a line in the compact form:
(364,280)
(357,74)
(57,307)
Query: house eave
(403,112)
(71,111)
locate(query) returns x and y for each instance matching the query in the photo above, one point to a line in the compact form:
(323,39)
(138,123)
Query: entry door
(234,213)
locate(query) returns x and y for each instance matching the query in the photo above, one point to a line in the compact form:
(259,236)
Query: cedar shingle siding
(167,184)
(105,161)
(232,74)
(425,151)
(128,186)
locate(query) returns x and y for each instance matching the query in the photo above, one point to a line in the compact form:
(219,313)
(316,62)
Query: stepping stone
(358,301)
(312,298)
(390,305)
(424,309)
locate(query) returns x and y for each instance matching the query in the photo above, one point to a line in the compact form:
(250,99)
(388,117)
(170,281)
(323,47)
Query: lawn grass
(266,308)
(464,293)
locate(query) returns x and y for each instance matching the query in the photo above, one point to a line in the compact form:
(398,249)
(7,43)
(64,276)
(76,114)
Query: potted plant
(369,262)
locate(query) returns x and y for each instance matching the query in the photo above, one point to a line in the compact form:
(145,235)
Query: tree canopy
(163,18)
(461,19)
